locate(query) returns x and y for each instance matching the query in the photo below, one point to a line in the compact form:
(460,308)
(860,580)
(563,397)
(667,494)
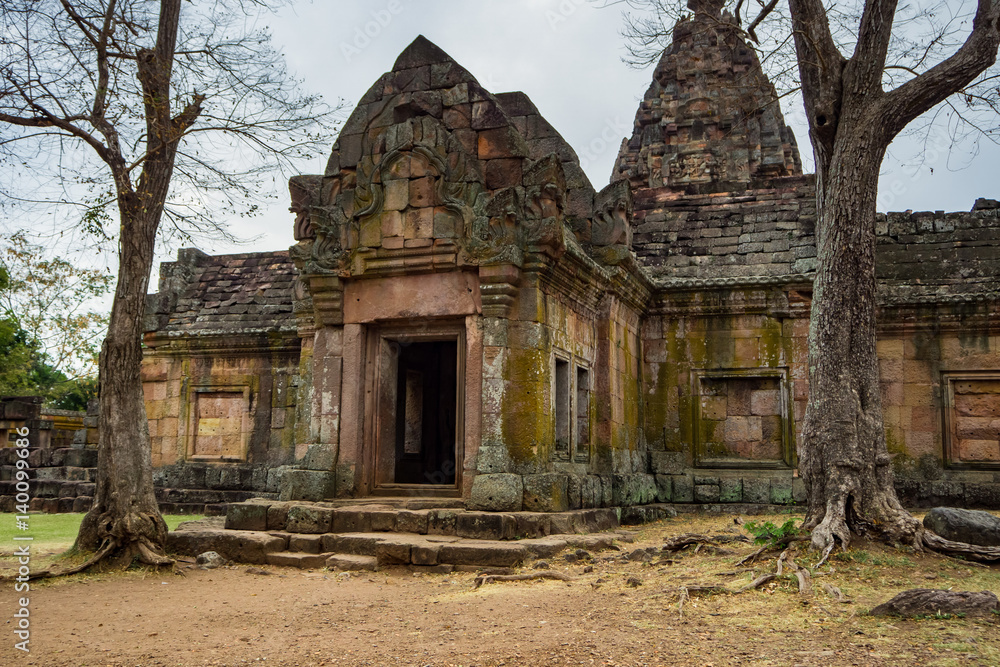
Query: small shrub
(768,533)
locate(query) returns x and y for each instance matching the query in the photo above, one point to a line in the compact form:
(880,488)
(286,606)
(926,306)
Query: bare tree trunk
(125,515)
(845,463)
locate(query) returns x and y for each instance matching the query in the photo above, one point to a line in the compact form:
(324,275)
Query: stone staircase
(407,532)
(62,479)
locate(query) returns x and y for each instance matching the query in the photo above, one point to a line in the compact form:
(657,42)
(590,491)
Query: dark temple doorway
(426,397)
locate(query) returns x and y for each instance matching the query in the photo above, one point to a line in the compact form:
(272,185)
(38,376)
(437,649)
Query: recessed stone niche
(972,419)
(741,419)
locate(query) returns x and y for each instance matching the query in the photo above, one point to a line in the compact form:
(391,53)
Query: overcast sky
(566,55)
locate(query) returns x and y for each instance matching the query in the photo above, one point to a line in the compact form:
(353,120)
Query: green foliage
(768,533)
(48,341)
(52,301)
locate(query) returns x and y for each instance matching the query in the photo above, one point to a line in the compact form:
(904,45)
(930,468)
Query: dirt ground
(230,616)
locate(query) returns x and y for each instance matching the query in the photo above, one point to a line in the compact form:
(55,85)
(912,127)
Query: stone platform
(368,536)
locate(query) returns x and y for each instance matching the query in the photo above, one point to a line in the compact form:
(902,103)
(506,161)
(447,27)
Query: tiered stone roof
(710,121)
(224,294)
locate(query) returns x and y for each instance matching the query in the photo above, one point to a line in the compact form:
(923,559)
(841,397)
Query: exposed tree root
(973,552)
(758,582)
(547,574)
(746,560)
(113,550)
(833,591)
(76,569)
(699,541)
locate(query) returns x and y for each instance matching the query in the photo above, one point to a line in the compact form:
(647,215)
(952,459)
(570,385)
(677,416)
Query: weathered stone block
(666,463)
(486,115)
(545,493)
(80,504)
(351,543)
(730,490)
(352,520)
(352,563)
(311,485)
(308,519)
(533,524)
(495,554)
(247,516)
(383,521)
(591,493)
(706,493)
(497,492)
(413,521)
(493,460)
(309,544)
(799,494)
(500,143)
(574,491)
(240,546)
(664,488)
(392,553)
(320,457)
(424,554)
(962,525)
(756,490)
(344,484)
(568,523)
(683,488)
(781,491)
(486,526)
(442,522)
(277,516)
(943,493)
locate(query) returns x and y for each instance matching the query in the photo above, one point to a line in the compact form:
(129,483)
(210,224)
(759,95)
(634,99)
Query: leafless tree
(865,74)
(166,110)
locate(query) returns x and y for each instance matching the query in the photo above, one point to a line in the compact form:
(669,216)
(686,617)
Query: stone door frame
(377,428)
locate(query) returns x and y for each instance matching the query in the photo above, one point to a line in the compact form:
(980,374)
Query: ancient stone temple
(464,315)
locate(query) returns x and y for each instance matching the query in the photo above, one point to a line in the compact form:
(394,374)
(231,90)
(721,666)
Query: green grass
(55,533)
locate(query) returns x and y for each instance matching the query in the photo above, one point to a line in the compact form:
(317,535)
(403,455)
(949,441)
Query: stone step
(400,502)
(298,559)
(352,563)
(320,518)
(371,550)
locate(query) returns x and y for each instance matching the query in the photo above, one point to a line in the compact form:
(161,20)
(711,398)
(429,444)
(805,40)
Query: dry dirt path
(291,617)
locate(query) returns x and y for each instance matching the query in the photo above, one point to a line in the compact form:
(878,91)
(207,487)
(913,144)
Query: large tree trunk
(125,518)
(844,460)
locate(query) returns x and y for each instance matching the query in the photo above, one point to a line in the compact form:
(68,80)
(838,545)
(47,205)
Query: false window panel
(219,425)
(582,448)
(562,410)
(741,419)
(972,419)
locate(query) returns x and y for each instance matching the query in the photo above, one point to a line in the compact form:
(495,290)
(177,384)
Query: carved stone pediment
(498,235)
(305,193)
(545,202)
(610,232)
